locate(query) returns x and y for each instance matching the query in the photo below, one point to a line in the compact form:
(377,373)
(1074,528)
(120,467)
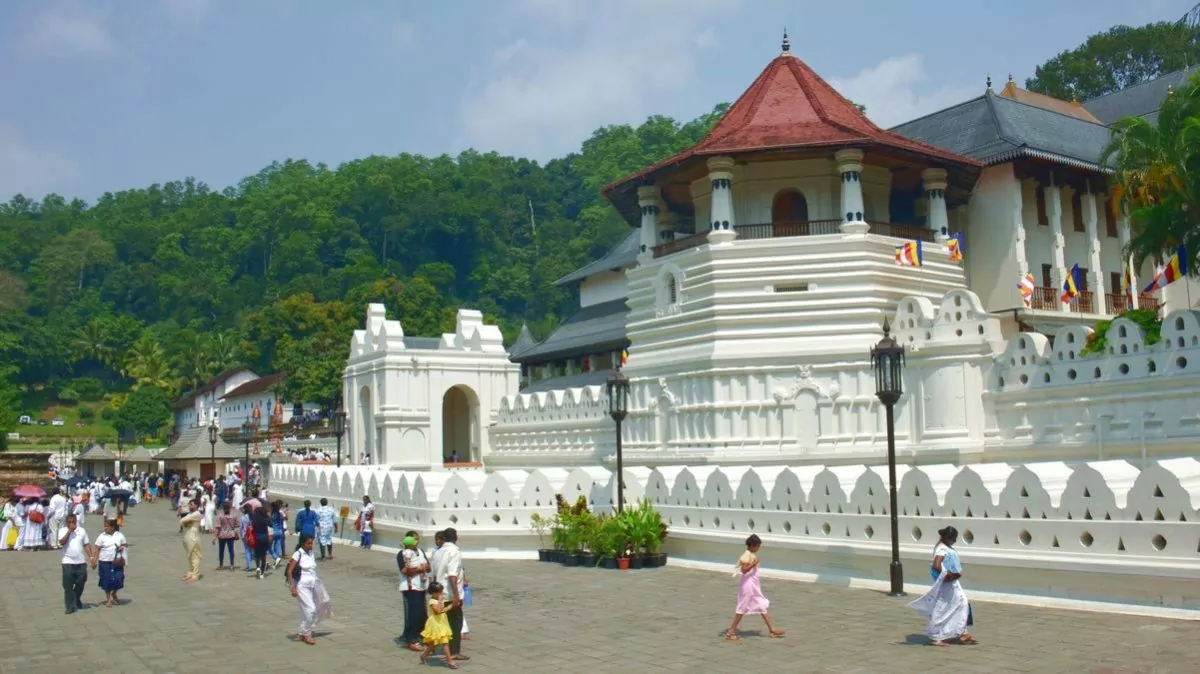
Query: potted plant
(608,542)
(654,532)
(541,526)
(589,528)
(574,520)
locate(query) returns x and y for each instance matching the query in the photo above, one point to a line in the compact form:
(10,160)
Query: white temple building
(760,268)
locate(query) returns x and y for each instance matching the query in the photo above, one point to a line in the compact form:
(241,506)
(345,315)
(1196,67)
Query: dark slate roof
(594,328)
(525,342)
(1140,100)
(255,385)
(597,378)
(622,255)
(422,343)
(997,129)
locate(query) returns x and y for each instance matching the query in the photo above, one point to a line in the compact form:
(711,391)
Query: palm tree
(91,342)
(146,364)
(1157,175)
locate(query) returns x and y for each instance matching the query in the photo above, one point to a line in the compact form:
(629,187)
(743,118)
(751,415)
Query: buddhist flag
(624,357)
(909,255)
(1070,289)
(954,243)
(1127,281)
(1026,286)
(1176,268)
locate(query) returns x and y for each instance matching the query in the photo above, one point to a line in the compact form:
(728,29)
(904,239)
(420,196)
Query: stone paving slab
(530,617)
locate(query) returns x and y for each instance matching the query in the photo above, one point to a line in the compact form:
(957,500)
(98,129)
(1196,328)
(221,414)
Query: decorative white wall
(1101,530)
(400,401)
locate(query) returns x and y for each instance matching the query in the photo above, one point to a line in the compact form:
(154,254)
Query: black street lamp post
(213,434)
(618,408)
(339,429)
(248,430)
(887,359)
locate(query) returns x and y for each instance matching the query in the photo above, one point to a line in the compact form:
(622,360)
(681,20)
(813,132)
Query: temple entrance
(460,425)
(208,471)
(789,214)
(366,424)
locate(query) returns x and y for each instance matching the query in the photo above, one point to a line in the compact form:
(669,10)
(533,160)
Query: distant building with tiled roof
(1140,100)
(1069,108)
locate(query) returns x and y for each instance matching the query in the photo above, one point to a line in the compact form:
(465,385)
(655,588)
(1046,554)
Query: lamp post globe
(213,434)
(339,429)
(618,408)
(887,360)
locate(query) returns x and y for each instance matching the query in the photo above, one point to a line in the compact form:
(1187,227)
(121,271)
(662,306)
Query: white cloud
(571,69)
(898,90)
(67,34)
(34,172)
(188,12)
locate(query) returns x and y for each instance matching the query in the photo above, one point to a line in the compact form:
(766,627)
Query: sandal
(730,635)
(967,639)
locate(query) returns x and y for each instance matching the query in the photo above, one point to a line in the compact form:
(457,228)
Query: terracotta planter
(623,563)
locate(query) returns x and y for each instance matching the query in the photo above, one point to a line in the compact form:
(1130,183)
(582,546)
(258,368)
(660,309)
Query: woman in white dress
(946,604)
(33,535)
(210,510)
(308,589)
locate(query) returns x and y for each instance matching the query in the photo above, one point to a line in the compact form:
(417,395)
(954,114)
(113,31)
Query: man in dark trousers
(447,569)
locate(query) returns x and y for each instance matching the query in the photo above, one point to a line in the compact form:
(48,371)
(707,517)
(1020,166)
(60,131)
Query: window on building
(1083,280)
(1047,281)
(1110,222)
(1077,212)
(672,291)
(1114,282)
(789,206)
(1042,218)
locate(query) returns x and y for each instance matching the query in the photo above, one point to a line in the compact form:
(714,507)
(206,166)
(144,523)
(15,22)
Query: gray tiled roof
(422,343)
(1140,100)
(525,342)
(997,129)
(193,444)
(622,255)
(597,378)
(594,328)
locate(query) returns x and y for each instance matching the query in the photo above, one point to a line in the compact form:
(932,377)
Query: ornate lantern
(887,359)
(618,396)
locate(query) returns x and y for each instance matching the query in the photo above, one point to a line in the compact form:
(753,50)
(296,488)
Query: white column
(849,165)
(648,200)
(1123,228)
(1099,302)
(934,182)
(1017,205)
(1054,213)
(721,220)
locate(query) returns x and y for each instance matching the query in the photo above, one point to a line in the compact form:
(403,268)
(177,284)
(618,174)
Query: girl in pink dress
(750,599)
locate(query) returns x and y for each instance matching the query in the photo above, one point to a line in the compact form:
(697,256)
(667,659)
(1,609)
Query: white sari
(210,509)
(945,604)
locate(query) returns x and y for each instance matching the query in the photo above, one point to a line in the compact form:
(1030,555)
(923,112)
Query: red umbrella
(29,491)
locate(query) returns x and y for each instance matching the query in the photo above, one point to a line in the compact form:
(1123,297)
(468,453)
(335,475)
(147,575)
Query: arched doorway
(789,213)
(460,424)
(366,425)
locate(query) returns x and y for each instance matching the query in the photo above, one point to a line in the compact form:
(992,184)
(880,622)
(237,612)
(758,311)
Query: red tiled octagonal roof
(790,106)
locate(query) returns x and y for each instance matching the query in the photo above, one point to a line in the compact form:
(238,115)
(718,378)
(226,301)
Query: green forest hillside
(165,286)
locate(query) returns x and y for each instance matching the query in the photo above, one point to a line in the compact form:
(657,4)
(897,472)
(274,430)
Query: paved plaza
(529,617)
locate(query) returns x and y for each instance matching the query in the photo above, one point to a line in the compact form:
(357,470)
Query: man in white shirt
(446,567)
(58,515)
(366,523)
(77,549)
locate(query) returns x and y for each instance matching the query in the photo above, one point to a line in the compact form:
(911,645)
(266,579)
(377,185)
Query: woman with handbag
(109,554)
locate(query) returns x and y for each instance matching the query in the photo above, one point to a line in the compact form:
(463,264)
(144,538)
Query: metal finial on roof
(1010,77)
(989,82)
(787,46)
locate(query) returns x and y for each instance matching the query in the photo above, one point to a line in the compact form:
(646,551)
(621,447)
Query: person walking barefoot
(437,627)
(750,599)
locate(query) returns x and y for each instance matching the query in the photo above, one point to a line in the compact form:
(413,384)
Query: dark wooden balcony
(1149,303)
(1045,299)
(1116,303)
(782,229)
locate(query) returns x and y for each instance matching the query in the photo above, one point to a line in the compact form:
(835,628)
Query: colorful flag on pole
(1070,289)
(1025,286)
(909,255)
(1175,269)
(1127,281)
(624,357)
(954,243)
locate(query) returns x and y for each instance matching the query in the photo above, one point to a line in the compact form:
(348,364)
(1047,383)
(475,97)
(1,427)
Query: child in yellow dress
(437,627)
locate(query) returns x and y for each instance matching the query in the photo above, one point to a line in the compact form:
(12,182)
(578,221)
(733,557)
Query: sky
(106,95)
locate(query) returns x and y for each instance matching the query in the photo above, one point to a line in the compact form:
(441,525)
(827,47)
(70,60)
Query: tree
(146,411)
(1120,57)
(1157,176)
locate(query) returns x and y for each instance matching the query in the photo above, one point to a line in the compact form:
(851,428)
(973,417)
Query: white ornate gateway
(412,402)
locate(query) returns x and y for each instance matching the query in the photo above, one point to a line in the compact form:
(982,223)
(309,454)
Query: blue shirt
(306,522)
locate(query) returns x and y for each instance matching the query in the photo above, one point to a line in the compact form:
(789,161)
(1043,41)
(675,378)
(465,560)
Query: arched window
(789,206)
(672,291)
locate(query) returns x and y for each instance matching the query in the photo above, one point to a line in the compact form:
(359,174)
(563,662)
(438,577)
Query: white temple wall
(1103,530)
(992,237)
